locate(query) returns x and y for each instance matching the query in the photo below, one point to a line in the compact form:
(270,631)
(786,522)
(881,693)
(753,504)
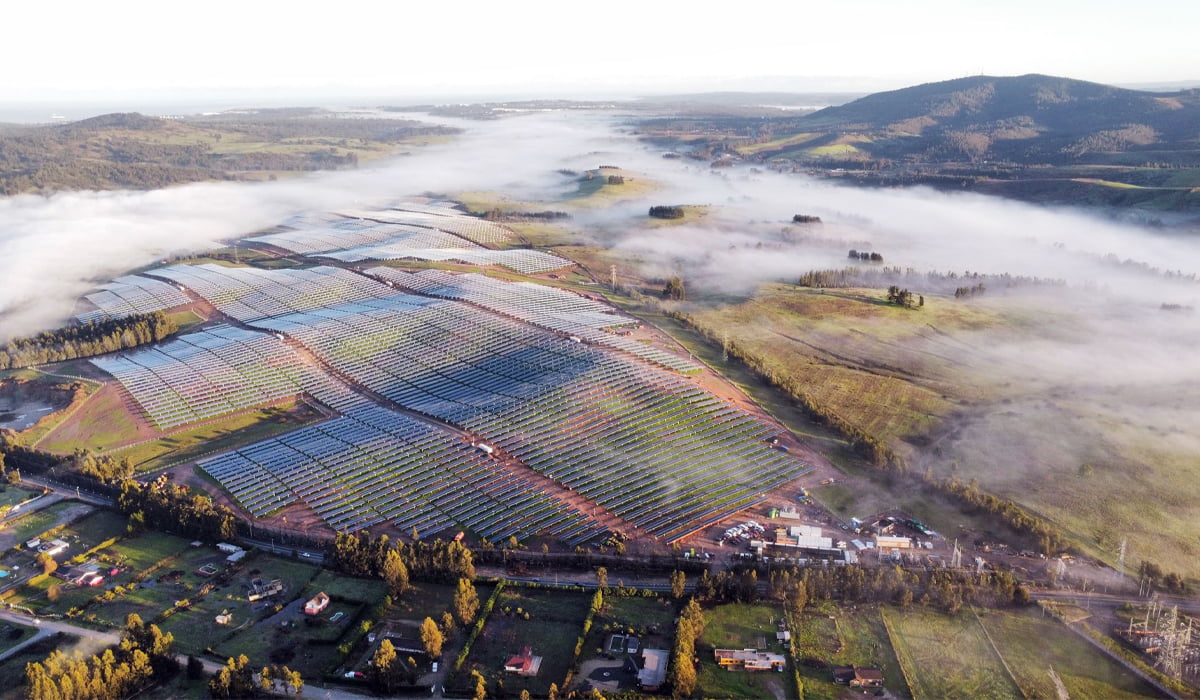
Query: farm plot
(547,621)
(353,234)
(374,465)
(529,262)
(740,626)
(250,293)
(828,635)
(945,656)
(649,446)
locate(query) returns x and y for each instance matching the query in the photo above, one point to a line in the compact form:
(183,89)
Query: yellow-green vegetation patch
(1039,649)
(218,436)
(834,149)
(873,364)
(186,320)
(104,420)
(602,188)
(778,143)
(945,656)
(828,635)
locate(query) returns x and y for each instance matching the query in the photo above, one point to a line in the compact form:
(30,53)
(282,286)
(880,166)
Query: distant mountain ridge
(1028,118)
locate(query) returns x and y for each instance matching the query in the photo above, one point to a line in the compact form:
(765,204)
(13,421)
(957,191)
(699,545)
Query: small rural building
(260,589)
(228,548)
(888,542)
(224,618)
(653,672)
(236,557)
(317,604)
(749,659)
(858,676)
(523,664)
(53,547)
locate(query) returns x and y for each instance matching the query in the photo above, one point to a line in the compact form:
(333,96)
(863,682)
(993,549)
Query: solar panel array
(528,262)
(249,293)
(470,227)
(356,234)
(375,465)
(132,295)
(548,307)
(648,445)
(209,373)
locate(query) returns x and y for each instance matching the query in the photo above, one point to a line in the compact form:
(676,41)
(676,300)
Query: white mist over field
(1101,373)
(53,249)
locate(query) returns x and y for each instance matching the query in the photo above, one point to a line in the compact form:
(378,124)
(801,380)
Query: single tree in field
(466,602)
(395,573)
(384,667)
(431,637)
(678,583)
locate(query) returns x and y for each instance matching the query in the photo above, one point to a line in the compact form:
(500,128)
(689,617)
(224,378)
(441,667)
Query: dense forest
(87,340)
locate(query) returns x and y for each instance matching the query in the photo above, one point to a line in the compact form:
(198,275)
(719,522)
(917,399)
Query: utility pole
(612,273)
(725,345)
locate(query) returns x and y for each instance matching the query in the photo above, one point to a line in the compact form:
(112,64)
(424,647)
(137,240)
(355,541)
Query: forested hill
(134,151)
(1025,119)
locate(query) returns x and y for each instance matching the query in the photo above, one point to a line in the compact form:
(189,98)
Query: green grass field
(102,421)
(777,144)
(12,495)
(1032,645)
(741,626)
(946,657)
(952,657)
(12,634)
(828,635)
(218,436)
(37,522)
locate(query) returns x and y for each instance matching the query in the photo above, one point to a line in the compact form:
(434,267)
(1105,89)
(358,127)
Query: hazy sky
(82,49)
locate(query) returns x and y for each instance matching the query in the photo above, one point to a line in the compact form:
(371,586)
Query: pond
(19,415)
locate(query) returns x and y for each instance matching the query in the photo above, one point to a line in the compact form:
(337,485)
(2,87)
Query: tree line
(87,340)
(663,211)
(143,658)
(161,505)
(944,282)
(365,555)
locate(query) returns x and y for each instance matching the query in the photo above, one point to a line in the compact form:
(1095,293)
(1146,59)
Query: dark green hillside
(1026,119)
